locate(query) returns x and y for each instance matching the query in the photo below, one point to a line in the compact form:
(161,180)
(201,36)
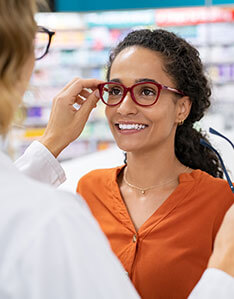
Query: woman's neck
(152,167)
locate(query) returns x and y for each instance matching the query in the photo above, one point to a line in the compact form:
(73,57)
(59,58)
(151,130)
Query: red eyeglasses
(143,93)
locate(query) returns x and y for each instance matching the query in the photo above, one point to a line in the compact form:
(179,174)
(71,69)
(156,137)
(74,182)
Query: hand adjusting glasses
(42,42)
(144,93)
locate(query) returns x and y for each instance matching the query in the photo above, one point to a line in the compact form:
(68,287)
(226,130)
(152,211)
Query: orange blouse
(167,256)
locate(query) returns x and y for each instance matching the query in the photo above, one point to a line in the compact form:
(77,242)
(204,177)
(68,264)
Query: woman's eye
(115,91)
(148,92)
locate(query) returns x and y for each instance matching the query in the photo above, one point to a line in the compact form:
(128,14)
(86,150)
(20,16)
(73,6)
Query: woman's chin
(127,147)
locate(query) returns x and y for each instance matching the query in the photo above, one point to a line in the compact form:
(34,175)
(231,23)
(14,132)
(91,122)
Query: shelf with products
(221,73)
(96,136)
(81,47)
(34,117)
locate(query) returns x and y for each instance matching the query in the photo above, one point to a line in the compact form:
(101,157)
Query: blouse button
(134,238)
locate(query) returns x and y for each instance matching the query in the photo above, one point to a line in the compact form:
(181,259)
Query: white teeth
(131,126)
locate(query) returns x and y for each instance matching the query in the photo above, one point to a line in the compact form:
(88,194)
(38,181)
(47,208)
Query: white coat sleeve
(71,258)
(38,163)
(214,284)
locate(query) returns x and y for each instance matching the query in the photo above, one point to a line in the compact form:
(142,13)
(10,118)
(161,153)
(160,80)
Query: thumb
(89,104)
(91,101)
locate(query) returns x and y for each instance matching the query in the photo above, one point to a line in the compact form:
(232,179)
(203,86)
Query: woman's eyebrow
(115,80)
(144,80)
(136,81)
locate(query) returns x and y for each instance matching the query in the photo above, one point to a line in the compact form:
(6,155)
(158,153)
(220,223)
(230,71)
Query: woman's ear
(184,105)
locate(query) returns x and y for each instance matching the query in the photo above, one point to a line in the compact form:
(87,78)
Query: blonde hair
(17,33)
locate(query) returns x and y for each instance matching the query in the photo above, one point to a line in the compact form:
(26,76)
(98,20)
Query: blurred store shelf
(81,47)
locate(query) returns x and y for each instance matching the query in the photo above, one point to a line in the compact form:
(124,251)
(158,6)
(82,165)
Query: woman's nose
(127,106)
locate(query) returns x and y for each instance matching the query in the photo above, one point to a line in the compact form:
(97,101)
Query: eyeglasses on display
(145,93)
(205,143)
(42,42)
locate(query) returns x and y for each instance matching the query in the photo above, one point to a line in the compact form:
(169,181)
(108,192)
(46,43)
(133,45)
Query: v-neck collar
(187,182)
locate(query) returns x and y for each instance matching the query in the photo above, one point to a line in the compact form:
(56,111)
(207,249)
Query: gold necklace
(143,190)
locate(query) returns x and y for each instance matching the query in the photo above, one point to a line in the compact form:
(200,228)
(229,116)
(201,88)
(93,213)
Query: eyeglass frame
(208,145)
(51,34)
(130,89)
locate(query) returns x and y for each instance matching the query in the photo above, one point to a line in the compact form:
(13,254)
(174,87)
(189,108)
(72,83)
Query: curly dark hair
(183,64)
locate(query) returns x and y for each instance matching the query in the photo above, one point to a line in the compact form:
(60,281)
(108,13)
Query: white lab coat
(39,163)
(51,247)
(214,284)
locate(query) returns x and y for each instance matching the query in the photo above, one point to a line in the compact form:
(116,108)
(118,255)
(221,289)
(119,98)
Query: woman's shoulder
(217,183)
(213,188)
(203,178)
(218,196)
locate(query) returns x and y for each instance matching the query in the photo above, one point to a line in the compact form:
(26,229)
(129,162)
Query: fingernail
(97,94)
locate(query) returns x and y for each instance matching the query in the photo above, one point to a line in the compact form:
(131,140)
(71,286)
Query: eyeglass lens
(144,94)
(41,44)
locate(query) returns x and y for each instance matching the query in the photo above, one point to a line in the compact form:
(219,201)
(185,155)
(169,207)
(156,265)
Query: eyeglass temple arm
(204,143)
(213,131)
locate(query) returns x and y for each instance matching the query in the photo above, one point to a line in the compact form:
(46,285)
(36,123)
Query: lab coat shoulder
(38,163)
(51,246)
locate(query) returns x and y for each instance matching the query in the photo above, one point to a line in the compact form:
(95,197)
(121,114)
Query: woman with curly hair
(162,209)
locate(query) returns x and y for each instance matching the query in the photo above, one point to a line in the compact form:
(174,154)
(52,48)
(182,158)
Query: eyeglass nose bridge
(130,90)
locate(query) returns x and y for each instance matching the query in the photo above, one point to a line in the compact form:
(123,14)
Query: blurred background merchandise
(81,46)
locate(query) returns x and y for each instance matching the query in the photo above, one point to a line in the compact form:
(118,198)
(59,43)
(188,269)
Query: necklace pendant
(143,191)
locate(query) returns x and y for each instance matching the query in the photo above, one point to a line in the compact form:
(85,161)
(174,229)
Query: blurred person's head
(173,62)
(17,33)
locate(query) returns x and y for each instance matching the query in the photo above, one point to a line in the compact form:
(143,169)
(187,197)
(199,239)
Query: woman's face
(158,122)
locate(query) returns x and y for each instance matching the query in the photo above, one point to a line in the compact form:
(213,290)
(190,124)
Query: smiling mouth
(136,126)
